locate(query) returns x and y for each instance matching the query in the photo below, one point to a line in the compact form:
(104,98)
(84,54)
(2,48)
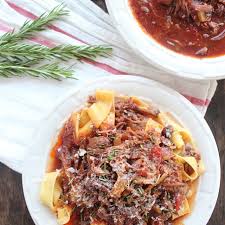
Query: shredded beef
(67,135)
(112,175)
(201,12)
(98,144)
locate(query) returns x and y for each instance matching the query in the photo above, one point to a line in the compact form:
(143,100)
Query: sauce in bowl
(194,28)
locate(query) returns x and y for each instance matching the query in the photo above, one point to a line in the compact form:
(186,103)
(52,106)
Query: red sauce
(75,219)
(181,36)
(54,162)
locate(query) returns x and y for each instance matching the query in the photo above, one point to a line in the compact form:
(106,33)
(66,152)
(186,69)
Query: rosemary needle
(45,71)
(24,52)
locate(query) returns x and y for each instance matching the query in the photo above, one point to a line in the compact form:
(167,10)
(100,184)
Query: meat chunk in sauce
(192,27)
(98,144)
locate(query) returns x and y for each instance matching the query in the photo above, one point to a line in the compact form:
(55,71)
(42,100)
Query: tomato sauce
(75,219)
(179,35)
(54,162)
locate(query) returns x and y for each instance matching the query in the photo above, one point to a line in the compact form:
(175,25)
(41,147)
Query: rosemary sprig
(30,28)
(45,71)
(17,59)
(24,52)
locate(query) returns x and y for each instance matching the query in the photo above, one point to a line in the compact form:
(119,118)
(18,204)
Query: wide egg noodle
(139,102)
(186,136)
(99,111)
(180,136)
(85,124)
(185,209)
(105,96)
(50,190)
(75,117)
(63,215)
(86,130)
(153,125)
(109,122)
(167,119)
(84,118)
(177,139)
(57,192)
(191,161)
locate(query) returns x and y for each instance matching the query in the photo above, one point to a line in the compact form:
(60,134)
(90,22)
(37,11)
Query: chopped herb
(164,209)
(140,190)
(127,198)
(112,154)
(113,137)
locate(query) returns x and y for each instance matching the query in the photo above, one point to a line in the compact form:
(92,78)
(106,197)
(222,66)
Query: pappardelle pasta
(120,161)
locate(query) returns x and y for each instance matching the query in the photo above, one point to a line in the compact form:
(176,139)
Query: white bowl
(158,55)
(165,98)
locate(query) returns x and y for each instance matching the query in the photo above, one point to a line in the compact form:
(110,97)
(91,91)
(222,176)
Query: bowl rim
(158,55)
(121,78)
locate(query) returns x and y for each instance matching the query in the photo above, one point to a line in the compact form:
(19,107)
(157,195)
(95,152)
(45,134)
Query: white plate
(156,54)
(36,160)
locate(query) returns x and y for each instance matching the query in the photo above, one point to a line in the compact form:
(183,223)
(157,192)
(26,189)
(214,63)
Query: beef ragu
(120,161)
(190,27)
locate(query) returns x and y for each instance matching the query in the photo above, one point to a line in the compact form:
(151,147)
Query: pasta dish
(121,161)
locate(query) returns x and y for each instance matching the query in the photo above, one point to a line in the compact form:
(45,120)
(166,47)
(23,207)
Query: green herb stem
(30,28)
(18,59)
(46,71)
(25,52)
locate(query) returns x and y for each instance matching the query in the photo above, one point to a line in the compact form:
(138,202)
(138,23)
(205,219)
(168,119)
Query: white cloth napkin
(25,101)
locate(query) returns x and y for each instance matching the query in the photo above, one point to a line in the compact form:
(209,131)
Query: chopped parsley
(112,154)
(140,191)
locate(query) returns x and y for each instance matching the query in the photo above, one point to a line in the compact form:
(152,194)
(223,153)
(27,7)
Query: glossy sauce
(53,161)
(75,219)
(181,36)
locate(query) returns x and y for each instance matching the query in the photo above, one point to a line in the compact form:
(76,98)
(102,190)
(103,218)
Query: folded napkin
(25,101)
